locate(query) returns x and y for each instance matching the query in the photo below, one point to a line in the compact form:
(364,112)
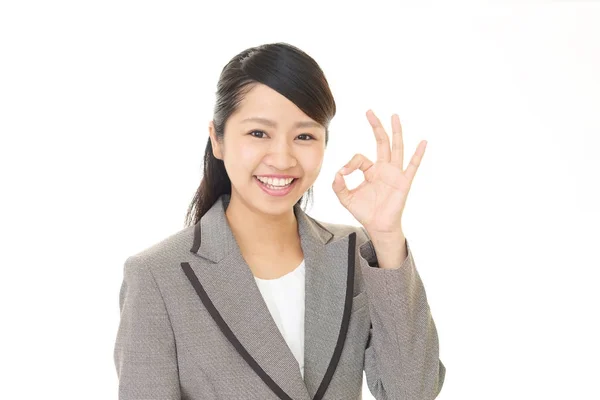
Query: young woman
(255,299)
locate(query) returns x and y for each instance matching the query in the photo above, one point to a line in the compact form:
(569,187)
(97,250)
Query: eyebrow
(300,124)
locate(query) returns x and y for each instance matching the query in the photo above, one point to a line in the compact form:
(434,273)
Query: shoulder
(162,252)
(339,230)
(363,244)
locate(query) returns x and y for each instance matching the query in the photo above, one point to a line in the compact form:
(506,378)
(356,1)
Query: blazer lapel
(229,293)
(328,300)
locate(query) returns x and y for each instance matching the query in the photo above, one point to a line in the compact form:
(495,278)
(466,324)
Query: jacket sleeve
(144,354)
(402,354)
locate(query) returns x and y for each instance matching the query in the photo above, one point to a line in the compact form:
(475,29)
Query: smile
(276,187)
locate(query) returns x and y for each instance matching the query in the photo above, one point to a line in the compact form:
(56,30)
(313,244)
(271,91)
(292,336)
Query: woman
(254,299)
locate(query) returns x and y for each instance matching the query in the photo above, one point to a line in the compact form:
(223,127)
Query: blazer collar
(214,240)
(229,292)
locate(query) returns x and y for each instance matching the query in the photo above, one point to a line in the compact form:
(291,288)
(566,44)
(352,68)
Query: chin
(275,207)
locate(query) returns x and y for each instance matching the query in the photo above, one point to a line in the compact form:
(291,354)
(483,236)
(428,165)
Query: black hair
(285,69)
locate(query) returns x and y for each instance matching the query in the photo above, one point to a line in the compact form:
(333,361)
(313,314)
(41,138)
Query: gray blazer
(194,325)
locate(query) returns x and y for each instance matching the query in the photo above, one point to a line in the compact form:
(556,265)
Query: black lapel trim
(345,321)
(229,334)
(242,351)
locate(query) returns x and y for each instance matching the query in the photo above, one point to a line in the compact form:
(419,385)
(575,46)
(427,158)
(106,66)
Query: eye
(259,132)
(310,137)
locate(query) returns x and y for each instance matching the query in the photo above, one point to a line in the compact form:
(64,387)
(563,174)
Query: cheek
(242,160)
(248,154)
(311,161)
(248,158)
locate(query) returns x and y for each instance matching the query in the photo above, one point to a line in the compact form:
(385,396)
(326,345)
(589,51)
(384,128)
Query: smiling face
(270,139)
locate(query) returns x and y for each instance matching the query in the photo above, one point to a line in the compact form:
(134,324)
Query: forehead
(263,102)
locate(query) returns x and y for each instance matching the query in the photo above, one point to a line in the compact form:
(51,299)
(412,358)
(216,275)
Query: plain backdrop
(104,109)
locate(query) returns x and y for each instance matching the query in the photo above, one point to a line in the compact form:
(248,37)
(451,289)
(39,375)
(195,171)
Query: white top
(285,299)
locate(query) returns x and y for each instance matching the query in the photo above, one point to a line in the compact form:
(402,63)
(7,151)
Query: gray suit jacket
(194,324)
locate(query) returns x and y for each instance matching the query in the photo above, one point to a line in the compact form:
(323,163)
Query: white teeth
(275,181)
(275,184)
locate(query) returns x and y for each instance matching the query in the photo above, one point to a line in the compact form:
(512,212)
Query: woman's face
(270,139)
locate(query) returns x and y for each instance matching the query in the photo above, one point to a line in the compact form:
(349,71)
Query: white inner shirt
(285,299)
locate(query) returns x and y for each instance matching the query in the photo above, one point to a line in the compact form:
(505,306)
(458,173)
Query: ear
(216,146)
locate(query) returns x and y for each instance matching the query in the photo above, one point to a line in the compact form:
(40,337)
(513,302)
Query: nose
(280,155)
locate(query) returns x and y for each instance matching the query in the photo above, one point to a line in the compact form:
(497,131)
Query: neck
(274,233)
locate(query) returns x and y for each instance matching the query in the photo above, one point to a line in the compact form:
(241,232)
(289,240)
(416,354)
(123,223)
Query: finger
(344,194)
(359,161)
(383,141)
(397,142)
(415,161)
(341,190)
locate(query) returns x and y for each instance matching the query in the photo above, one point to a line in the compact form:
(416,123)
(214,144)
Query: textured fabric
(169,346)
(285,300)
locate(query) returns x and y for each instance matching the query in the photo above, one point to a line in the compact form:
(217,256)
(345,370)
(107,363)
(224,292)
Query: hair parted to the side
(285,69)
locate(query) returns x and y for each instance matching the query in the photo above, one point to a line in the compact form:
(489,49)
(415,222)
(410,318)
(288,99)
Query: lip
(276,192)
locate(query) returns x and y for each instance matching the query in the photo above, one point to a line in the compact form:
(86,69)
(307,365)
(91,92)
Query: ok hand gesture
(378,202)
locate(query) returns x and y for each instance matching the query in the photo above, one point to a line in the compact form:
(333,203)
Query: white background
(104,108)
